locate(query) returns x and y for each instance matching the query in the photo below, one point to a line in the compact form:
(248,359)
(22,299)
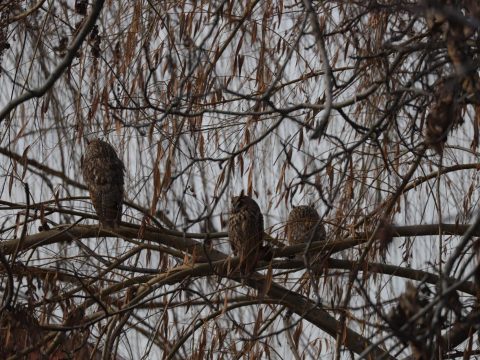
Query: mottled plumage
(103,174)
(245,231)
(304,225)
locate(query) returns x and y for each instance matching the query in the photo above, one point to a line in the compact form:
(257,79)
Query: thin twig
(62,66)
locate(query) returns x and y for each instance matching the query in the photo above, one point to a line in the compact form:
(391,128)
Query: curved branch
(24,161)
(184,241)
(201,322)
(302,306)
(413,274)
(27,12)
(328,82)
(64,64)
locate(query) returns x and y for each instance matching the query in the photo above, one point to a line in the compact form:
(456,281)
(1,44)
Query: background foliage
(366,109)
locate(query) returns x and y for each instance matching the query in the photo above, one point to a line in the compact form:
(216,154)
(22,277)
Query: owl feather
(103,173)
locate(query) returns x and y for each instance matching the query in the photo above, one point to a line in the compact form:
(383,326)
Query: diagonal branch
(61,67)
(327,70)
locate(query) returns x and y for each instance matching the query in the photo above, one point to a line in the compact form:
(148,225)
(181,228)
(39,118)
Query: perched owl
(304,224)
(245,232)
(103,174)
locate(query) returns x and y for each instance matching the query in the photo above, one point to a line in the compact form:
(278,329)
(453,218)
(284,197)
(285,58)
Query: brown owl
(103,174)
(245,232)
(304,224)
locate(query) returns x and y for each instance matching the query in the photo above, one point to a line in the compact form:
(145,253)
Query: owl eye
(236,203)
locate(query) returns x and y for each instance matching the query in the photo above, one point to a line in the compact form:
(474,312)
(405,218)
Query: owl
(304,224)
(245,232)
(445,114)
(103,174)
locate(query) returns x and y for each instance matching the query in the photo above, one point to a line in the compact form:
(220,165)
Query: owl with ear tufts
(245,232)
(103,173)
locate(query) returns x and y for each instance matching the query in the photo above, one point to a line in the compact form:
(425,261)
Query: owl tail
(112,217)
(110,224)
(250,261)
